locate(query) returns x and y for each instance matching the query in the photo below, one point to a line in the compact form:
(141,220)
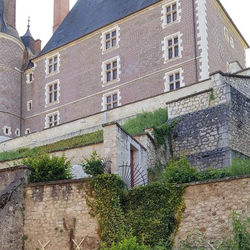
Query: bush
(180,171)
(128,244)
(146,120)
(93,166)
(239,167)
(212,174)
(46,168)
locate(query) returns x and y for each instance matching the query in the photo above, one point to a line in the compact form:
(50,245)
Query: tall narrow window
(110,39)
(52,64)
(172,47)
(29,105)
(52,93)
(111,70)
(171,13)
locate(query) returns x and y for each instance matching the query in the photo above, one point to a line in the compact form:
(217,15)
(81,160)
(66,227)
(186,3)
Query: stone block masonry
(12,207)
(57,214)
(209,206)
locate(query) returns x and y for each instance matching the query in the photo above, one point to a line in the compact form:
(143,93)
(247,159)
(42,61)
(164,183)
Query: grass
(146,120)
(74,142)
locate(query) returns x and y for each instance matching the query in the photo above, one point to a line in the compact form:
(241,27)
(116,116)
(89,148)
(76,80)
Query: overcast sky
(41,15)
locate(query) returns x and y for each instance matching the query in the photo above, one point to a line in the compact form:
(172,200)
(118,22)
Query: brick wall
(55,211)
(209,206)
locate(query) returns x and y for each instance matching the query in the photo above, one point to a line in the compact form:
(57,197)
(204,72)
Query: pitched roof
(90,15)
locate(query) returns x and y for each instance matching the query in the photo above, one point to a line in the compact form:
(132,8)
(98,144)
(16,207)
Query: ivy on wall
(151,213)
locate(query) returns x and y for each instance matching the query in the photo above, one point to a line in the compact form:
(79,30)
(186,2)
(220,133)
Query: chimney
(10,12)
(37,46)
(61,9)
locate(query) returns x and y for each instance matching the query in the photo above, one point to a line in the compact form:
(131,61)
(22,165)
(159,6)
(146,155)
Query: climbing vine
(150,213)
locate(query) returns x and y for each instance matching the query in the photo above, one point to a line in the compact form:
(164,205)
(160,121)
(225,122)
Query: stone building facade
(141,50)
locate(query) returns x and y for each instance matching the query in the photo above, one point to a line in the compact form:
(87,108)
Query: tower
(11,62)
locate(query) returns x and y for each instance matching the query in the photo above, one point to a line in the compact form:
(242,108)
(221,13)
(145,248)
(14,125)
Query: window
(172,47)
(52,120)
(17,132)
(27,131)
(29,105)
(111,70)
(226,34)
(52,93)
(7,130)
(29,77)
(174,80)
(52,64)
(111,100)
(110,39)
(170,13)
(232,42)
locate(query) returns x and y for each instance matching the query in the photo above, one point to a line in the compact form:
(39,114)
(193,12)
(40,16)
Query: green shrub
(127,244)
(239,167)
(93,166)
(46,168)
(151,212)
(212,174)
(180,171)
(146,120)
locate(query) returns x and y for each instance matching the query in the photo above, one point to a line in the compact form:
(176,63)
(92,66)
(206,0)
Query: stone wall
(209,206)
(56,214)
(12,208)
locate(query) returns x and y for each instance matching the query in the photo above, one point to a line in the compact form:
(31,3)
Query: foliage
(211,96)
(180,171)
(162,134)
(128,243)
(238,239)
(104,200)
(77,141)
(150,212)
(146,120)
(93,166)
(239,167)
(46,168)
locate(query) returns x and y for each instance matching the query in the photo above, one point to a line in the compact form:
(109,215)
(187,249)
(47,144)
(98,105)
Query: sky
(41,15)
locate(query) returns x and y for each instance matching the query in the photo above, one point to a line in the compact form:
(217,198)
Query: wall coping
(226,179)
(59,182)
(8,169)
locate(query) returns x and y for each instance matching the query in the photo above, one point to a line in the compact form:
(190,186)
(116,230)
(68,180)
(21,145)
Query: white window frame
(165,47)
(47,64)
(29,105)
(28,73)
(27,131)
(47,122)
(9,133)
(17,132)
(103,39)
(232,42)
(164,13)
(226,33)
(104,71)
(104,99)
(173,72)
(47,93)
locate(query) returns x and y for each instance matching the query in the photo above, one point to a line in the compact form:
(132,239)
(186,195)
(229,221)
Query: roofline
(231,20)
(218,1)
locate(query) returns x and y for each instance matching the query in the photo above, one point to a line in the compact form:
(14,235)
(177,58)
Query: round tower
(11,62)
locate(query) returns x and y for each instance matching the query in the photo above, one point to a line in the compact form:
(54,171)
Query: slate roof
(90,15)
